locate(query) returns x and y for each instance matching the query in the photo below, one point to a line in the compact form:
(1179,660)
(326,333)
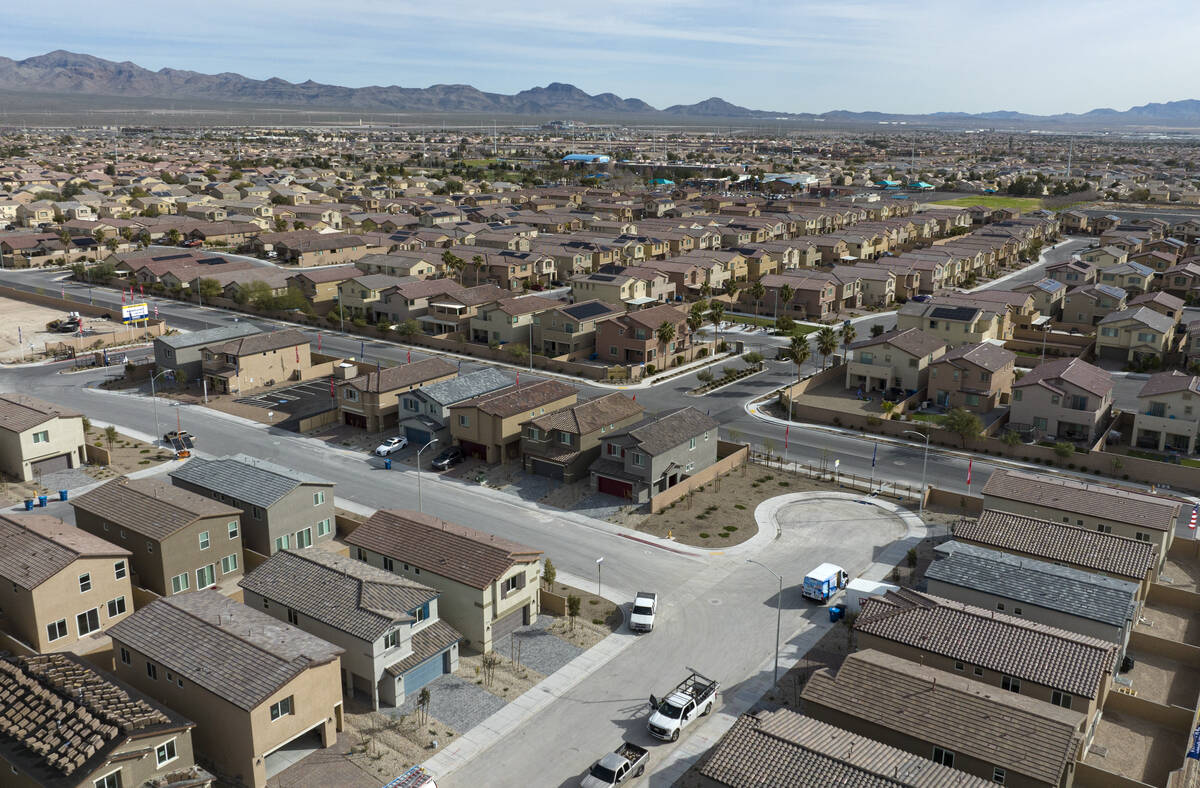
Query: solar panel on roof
(603,277)
(584,311)
(954,312)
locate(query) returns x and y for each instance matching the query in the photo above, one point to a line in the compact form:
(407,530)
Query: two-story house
(250,682)
(370,401)
(451,312)
(256,361)
(183,354)
(281,508)
(489,426)
(320,286)
(1067,398)
(564,443)
(1133,278)
(487,586)
(654,454)
(91,730)
(38,437)
(361,295)
(179,540)
(634,338)
(387,625)
(425,412)
(977,377)
(1104,256)
(1168,413)
(571,330)
(1135,334)
(1087,305)
(954,324)
(59,585)
(1049,296)
(1072,273)
(510,320)
(894,359)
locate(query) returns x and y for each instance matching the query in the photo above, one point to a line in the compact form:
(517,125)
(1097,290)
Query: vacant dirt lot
(31,319)
(385,747)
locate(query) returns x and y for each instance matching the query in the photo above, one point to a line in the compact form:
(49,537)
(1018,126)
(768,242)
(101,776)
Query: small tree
(704,376)
(573,603)
(87,425)
(716,311)
(408,328)
(549,574)
(423,704)
(797,353)
(1011,437)
(489,661)
(888,406)
(208,288)
(110,436)
(848,335)
(876,329)
(753,358)
(785,294)
(518,351)
(1064,449)
(785,325)
(665,333)
(963,423)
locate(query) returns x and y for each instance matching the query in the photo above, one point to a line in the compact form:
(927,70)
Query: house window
(281,709)
(464,420)
(421,613)
(1142,537)
(229,564)
(510,585)
(116,607)
(109,781)
(206,576)
(564,438)
(1017,395)
(998,775)
(149,546)
(304,538)
(1016,611)
(180,583)
(41,437)
(1011,684)
(152,670)
(318,498)
(1000,606)
(360,554)
(56,630)
(205,542)
(283,542)
(691,444)
(125,658)
(958,665)
(1060,699)
(388,564)
(637,459)
(1102,528)
(88,621)
(324,528)
(973,399)
(391,639)
(85,582)
(293,617)
(1105,331)
(165,752)
(233,530)
(119,570)
(944,757)
(256,513)
(978,671)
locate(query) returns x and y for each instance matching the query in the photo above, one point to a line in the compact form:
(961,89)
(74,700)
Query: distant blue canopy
(661,182)
(598,175)
(585,158)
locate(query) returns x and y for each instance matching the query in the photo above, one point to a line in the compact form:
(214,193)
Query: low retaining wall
(1173,717)
(1086,774)
(317,420)
(120,336)
(731,456)
(1163,594)
(964,504)
(1180,652)
(96,455)
(555,604)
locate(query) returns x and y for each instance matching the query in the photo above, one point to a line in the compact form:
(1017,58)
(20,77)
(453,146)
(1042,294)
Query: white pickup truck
(645,605)
(691,699)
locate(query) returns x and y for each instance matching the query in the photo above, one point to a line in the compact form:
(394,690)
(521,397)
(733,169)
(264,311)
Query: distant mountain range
(67,73)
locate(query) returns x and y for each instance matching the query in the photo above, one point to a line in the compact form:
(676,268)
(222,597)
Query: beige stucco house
(38,437)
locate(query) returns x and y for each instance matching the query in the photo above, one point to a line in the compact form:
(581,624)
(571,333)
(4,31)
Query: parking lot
(294,402)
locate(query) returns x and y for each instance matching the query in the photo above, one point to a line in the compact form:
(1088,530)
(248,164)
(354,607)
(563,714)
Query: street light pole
(154,399)
(778,612)
(423,448)
(599,561)
(924,467)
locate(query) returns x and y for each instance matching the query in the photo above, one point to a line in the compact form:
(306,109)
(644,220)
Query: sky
(905,56)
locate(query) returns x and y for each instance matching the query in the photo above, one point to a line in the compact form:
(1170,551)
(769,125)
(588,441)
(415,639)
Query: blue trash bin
(835,613)
(62,495)
(387,464)
(28,504)
(42,500)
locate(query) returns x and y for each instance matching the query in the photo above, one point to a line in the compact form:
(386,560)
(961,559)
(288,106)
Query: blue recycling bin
(62,495)
(387,464)
(29,504)
(42,500)
(835,613)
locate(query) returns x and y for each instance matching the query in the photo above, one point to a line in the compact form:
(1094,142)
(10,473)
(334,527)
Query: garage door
(355,420)
(1114,353)
(543,468)
(422,674)
(614,487)
(503,627)
(476,450)
(51,464)
(417,436)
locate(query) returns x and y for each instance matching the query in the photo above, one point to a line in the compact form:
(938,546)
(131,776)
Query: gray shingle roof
(1075,371)
(260,343)
(913,341)
(37,546)
(1155,321)
(233,651)
(658,434)
(1054,493)
(402,376)
(1023,735)
(346,594)
(520,399)
(464,387)
(1060,542)
(206,337)
(1169,382)
(249,479)
(1061,588)
(783,749)
(151,506)
(587,417)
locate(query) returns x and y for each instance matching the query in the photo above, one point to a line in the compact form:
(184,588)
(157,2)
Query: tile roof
(464,387)
(245,478)
(1169,383)
(207,336)
(457,552)
(524,305)
(151,506)
(510,402)
(1060,542)
(783,749)
(402,376)
(986,355)
(1020,734)
(20,412)
(913,341)
(655,316)
(587,417)
(348,595)
(1156,321)
(81,716)
(338,273)
(1165,300)
(38,546)
(426,643)
(1094,500)
(260,343)
(1040,583)
(663,432)
(233,651)
(1075,371)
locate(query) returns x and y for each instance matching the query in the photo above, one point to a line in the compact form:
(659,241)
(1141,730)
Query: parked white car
(391,445)
(645,605)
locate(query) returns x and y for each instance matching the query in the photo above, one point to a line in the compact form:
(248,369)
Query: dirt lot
(601,615)
(32,320)
(508,680)
(382,746)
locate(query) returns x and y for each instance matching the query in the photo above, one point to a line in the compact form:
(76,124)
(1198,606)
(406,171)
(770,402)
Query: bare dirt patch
(31,319)
(507,680)
(125,455)
(596,611)
(581,633)
(384,747)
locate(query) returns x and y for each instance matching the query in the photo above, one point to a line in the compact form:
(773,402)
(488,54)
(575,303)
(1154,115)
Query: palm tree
(452,262)
(797,353)
(731,290)
(665,333)
(787,294)
(706,291)
(695,319)
(848,335)
(477,262)
(826,344)
(716,311)
(757,290)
